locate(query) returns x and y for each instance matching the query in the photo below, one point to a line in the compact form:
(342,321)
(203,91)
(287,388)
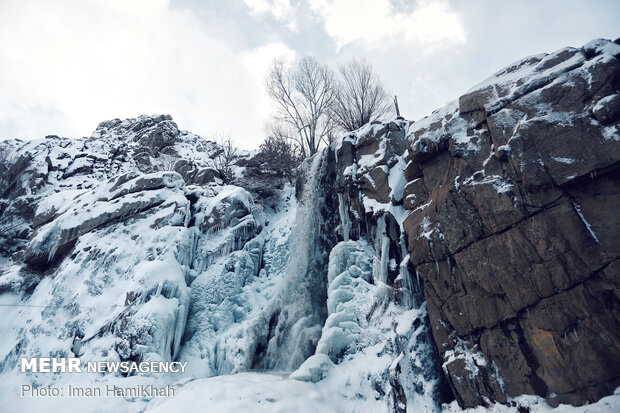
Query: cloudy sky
(66,65)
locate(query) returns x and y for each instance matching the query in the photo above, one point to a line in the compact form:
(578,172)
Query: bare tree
(281,130)
(7,154)
(225,158)
(167,162)
(303,100)
(280,154)
(360,97)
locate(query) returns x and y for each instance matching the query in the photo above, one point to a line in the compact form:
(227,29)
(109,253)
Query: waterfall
(300,309)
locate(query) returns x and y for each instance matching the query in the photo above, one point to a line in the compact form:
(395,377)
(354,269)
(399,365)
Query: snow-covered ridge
(102,238)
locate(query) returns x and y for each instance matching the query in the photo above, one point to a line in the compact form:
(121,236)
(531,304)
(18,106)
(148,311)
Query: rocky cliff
(511,196)
(471,255)
(513,193)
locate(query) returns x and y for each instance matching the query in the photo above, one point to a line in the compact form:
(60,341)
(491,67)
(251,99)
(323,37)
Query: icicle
(382,244)
(417,277)
(585,222)
(345,222)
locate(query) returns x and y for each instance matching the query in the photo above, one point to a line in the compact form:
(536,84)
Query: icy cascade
(375,345)
(225,287)
(299,310)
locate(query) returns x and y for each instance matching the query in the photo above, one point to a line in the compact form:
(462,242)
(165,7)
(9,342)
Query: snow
(226,193)
(563,160)
(522,68)
(425,226)
(10,317)
(368,162)
(369,129)
(443,123)
(314,369)
(405,321)
(351,171)
(499,183)
(603,102)
(546,114)
(585,222)
(77,164)
(537,404)
(261,392)
(450,110)
(246,392)
(611,133)
(57,201)
(603,46)
(472,358)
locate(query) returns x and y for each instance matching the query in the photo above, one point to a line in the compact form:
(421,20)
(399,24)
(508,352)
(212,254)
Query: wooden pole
(396,106)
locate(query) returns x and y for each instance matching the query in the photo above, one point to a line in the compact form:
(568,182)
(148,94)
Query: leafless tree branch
(360,98)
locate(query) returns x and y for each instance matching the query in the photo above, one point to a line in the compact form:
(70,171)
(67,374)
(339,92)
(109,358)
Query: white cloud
(430,25)
(67,65)
(257,62)
(281,10)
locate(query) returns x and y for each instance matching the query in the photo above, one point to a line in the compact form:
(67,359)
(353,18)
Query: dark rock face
(513,194)
(365,163)
(16,204)
(376,186)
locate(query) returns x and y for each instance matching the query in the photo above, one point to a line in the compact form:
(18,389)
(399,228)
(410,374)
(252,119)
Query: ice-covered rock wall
(127,246)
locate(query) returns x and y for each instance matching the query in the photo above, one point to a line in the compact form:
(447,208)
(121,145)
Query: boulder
(375,185)
(193,174)
(607,109)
